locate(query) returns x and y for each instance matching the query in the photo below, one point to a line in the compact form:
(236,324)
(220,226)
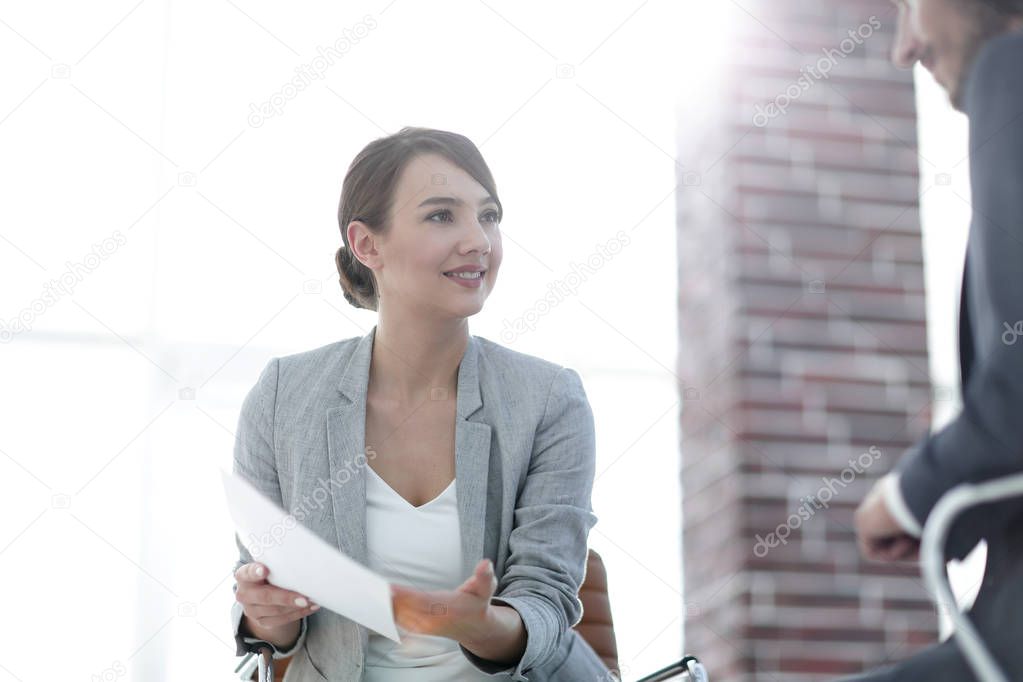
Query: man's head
(946,35)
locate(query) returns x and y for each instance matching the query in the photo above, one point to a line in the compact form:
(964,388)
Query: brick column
(803,354)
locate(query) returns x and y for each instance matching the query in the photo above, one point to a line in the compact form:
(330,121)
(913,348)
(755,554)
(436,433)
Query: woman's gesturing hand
(493,632)
(457,614)
(268,607)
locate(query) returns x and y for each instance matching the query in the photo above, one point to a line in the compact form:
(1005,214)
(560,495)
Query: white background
(115,546)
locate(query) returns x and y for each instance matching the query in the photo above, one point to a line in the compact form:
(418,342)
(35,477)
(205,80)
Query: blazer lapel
(346,445)
(965,330)
(472,459)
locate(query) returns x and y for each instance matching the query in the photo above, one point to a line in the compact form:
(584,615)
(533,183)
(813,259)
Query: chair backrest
(595,626)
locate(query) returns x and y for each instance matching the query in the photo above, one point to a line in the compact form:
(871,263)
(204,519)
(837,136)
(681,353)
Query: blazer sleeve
(254,461)
(553,517)
(986,440)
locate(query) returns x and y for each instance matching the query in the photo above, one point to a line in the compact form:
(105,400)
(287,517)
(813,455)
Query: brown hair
(367,194)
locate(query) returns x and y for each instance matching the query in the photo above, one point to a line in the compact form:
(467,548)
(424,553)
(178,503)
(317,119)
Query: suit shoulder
(323,362)
(996,66)
(511,363)
(1003,50)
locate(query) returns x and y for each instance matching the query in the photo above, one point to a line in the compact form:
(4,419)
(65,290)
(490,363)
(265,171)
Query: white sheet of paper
(300,560)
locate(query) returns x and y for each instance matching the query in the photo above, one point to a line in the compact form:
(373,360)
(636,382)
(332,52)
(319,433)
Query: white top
(420,547)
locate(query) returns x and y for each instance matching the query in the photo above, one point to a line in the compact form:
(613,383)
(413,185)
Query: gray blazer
(524,468)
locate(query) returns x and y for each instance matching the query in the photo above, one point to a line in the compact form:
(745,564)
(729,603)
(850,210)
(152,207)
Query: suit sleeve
(986,440)
(254,461)
(553,517)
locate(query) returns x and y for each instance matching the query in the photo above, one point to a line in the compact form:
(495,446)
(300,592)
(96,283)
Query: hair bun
(356,280)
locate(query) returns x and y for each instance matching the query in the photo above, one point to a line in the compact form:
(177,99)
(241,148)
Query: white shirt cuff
(897,507)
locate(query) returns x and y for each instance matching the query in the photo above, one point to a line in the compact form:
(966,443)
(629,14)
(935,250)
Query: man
(974,49)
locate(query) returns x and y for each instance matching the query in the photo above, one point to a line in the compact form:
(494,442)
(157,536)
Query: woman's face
(442,249)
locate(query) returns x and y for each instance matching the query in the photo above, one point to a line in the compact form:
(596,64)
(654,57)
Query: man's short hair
(1002,6)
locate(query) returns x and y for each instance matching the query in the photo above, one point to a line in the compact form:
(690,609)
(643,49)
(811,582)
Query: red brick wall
(802,341)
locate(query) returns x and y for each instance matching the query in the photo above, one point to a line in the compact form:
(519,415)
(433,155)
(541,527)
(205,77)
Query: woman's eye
(446,216)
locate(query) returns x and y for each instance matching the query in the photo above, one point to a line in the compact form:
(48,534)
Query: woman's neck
(414,356)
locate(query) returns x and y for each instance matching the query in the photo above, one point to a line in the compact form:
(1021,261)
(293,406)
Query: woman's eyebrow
(452,201)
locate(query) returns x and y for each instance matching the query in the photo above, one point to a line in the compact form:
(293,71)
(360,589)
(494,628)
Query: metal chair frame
(933,567)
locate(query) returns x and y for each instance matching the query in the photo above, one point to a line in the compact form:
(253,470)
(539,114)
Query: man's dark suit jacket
(986,440)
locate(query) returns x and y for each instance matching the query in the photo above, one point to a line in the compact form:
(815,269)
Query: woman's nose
(476,239)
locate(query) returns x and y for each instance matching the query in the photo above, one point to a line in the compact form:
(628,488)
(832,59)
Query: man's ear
(363,243)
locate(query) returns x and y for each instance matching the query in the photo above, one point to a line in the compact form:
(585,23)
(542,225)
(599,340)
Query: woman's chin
(469,311)
(466,308)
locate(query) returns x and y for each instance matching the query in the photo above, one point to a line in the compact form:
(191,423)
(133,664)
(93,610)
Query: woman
(463,469)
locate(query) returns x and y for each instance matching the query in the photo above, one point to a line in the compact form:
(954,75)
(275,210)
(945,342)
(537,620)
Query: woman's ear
(363,243)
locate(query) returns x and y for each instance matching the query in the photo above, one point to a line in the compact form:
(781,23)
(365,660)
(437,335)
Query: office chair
(595,627)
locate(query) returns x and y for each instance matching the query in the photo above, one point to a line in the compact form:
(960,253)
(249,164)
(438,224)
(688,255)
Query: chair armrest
(932,554)
(689,666)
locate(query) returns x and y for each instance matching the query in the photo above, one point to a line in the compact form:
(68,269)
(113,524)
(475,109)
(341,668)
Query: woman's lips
(475,283)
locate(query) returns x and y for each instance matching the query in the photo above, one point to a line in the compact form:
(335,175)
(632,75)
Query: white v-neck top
(420,547)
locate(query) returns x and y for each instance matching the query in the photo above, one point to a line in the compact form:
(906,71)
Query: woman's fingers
(262,600)
(482,583)
(411,605)
(405,598)
(251,573)
(273,616)
(270,595)
(444,612)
